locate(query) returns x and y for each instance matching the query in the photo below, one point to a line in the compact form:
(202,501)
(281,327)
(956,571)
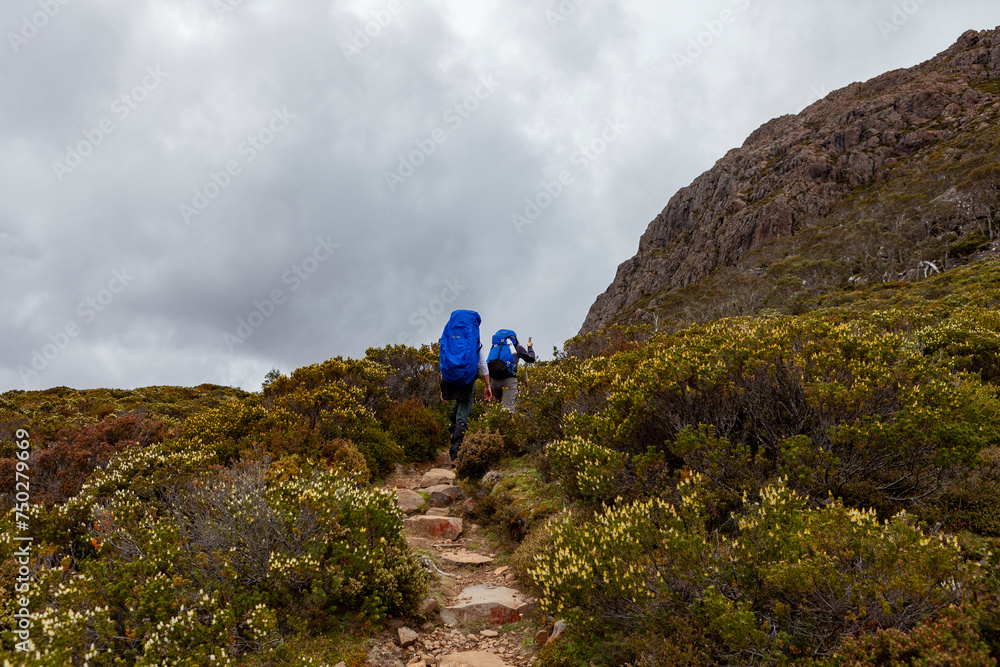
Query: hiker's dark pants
(463,396)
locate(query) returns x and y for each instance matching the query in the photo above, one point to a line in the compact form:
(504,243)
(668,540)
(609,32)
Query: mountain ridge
(793,172)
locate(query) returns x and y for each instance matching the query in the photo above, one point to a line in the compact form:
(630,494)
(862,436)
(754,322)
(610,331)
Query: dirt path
(471,637)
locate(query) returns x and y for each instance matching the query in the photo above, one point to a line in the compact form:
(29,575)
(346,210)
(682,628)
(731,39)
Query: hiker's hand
(529,341)
(488,394)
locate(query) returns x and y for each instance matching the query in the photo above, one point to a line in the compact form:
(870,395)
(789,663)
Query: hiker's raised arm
(485,372)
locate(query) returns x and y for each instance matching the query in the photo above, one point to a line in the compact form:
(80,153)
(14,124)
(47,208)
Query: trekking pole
(526,364)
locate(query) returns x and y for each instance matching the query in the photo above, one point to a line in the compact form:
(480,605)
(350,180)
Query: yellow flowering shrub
(790,579)
(336,399)
(854,408)
(587,471)
(180,561)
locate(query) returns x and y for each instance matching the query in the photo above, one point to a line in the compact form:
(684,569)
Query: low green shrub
(416,429)
(517,501)
(496,419)
(412,372)
(480,451)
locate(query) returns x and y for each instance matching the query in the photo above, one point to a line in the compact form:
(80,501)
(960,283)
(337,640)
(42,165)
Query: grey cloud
(324,176)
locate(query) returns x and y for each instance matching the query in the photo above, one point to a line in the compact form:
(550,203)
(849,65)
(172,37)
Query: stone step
(471,659)
(463,557)
(442,495)
(409,501)
(498,605)
(434,527)
(437,477)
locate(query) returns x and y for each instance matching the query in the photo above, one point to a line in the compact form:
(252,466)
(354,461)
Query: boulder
(409,501)
(434,527)
(439,511)
(427,607)
(471,659)
(407,637)
(557,631)
(491,604)
(437,477)
(442,495)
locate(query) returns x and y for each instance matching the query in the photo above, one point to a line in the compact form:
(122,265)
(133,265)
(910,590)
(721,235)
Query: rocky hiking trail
(475,615)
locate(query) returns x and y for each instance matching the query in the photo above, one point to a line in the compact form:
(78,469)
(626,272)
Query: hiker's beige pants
(506,392)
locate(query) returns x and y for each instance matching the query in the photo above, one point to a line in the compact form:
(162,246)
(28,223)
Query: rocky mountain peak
(794,171)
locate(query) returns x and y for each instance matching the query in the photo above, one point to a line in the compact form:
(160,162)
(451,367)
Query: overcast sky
(200,190)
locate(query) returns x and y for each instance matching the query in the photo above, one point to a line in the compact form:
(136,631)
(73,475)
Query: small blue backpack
(502,360)
(459,353)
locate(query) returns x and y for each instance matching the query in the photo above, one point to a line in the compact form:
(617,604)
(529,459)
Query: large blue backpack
(502,360)
(459,354)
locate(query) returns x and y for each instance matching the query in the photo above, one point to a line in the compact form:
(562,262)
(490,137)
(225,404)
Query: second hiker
(502,366)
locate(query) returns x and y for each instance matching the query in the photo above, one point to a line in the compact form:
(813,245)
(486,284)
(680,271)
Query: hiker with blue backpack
(461,357)
(501,363)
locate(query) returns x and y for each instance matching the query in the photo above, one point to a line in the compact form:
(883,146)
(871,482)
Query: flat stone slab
(434,527)
(443,494)
(437,477)
(471,659)
(439,511)
(464,557)
(409,501)
(498,605)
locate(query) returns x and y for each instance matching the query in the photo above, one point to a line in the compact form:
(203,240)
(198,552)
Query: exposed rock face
(791,171)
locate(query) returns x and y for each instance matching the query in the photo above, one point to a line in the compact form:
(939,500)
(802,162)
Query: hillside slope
(889,179)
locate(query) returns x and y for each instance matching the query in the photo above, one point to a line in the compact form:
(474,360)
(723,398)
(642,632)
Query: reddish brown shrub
(59,469)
